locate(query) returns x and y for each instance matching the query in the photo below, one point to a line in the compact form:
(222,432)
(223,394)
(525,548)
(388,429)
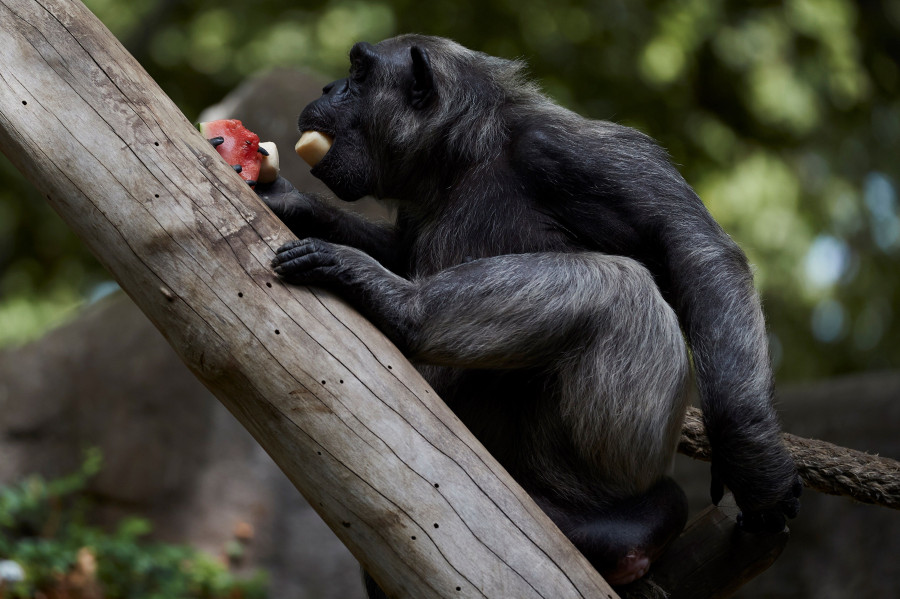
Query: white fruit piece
(268,168)
(313,146)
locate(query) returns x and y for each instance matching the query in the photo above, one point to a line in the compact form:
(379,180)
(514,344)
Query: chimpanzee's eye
(358,70)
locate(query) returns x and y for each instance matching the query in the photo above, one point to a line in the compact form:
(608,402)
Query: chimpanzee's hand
(766,489)
(302,213)
(315,262)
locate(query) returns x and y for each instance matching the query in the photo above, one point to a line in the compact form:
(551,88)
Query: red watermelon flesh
(240,146)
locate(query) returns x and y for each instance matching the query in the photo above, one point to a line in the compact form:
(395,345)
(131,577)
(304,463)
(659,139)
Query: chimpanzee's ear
(422,91)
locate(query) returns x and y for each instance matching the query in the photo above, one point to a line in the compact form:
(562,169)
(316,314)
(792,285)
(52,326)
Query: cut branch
(385,463)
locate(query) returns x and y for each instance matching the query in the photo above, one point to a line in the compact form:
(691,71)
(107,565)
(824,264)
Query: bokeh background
(785,116)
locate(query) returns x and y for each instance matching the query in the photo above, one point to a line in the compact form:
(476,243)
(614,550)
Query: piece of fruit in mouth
(312,146)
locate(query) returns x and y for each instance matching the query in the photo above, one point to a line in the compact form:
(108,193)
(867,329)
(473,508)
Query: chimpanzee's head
(412,107)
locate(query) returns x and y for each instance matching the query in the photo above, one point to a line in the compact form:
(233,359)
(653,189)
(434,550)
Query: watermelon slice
(238,146)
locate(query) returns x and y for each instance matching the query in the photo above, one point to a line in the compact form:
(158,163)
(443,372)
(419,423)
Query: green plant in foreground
(43,531)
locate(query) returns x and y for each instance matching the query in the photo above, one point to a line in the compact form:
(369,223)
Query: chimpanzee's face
(387,83)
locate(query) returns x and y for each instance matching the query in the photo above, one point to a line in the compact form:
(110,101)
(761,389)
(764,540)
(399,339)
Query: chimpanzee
(541,272)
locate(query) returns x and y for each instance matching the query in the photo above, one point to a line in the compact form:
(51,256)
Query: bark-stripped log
(393,472)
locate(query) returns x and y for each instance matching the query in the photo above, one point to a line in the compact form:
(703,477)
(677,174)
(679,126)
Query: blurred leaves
(784,115)
(43,531)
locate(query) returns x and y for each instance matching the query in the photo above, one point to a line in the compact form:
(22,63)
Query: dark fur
(517,278)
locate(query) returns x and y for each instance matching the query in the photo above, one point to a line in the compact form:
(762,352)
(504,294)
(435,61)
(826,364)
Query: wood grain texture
(391,470)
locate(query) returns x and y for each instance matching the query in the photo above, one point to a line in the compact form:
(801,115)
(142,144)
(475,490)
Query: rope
(823,466)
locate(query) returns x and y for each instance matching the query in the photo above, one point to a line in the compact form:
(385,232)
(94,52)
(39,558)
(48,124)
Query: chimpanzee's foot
(622,540)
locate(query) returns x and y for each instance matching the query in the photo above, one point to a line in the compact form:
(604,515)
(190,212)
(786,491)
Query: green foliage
(784,115)
(25,317)
(43,529)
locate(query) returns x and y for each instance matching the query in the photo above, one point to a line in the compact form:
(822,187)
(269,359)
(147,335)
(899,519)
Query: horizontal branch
(823,466)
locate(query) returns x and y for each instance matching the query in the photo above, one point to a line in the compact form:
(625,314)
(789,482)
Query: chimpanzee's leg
(616,369)
(508,311)
(598,321)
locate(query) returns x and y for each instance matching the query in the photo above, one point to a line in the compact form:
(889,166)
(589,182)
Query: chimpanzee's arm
(720,311)
(308,215)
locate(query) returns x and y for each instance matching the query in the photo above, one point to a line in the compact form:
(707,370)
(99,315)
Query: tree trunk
(386,464)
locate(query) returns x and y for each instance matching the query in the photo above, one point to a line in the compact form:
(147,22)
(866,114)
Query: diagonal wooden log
(386,464)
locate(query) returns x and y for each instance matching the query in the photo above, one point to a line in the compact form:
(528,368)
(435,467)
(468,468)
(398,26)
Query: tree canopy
(785,116)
